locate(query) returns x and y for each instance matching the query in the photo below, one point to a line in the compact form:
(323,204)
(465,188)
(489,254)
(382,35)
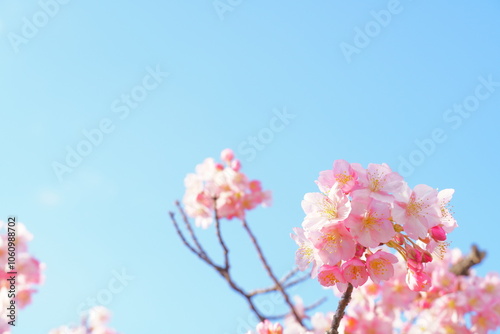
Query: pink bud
(227,155)
(426,257)
(437,233)
(399,238)
(236,165)
(413,254)
(359,250)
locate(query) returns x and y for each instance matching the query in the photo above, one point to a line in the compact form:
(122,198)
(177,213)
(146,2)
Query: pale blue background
(226,78)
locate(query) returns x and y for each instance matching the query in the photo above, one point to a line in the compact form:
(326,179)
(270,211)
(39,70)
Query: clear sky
(414,84)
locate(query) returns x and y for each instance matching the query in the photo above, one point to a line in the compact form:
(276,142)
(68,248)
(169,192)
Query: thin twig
(223,271)
(219,236)
(290,274)
(308,308)
(270,272)
(189,228)
(283,280)
(461,268)
(275,288)
(339,314)
(202,256)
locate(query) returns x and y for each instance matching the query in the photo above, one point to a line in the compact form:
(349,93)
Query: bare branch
(461,268)
(279,286)
(202,256)
(318,303)
(339,314)
(275,288)
(196,248)
(219,236)
(223,271)
(308,308)
(190,229)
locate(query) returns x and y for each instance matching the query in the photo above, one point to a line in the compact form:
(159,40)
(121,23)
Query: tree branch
(462,267)
(308,308)
(189,228)
(339,314)
(277,283)
(219,237)
(202,255)
(283,283)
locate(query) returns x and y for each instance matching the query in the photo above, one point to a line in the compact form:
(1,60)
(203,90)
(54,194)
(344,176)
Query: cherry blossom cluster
(359,210)
(454,304)
(221,186)
(93,322)
(29,272)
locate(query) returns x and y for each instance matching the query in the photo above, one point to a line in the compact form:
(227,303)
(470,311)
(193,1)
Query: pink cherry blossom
(330,276)
(227,155)
(29,272)
(342,174)
(334,242)
(95,321)
(306,253)
(322,210)
(361,210)
(354,272)
(222,188)
(418,281)
(417,210)
(370,222)
(380,266)
(378,181)
(266,327)
(448,222)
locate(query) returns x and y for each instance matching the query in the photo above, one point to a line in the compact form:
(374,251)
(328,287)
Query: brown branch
(223,271)
(307,308)
(290,274)
(197,249)
(202,255)
(339,314)
(275,288)
(189,228)
(279,286)
(219,237)
(462,267)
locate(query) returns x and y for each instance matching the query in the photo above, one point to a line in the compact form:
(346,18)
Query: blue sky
(168,84)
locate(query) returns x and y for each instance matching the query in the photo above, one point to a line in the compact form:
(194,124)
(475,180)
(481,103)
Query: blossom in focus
(370,222)
(306,253)
(361,213)
(323,210)
(454,304)
(380,265)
